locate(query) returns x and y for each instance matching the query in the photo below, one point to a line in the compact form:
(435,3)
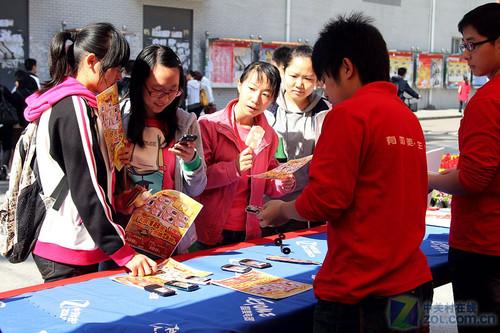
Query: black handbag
(8,113)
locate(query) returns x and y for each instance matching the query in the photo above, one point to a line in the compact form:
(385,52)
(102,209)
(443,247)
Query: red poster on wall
(429,71)
(228,59)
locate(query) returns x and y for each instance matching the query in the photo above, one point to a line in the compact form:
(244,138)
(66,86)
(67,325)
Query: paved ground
(440,127)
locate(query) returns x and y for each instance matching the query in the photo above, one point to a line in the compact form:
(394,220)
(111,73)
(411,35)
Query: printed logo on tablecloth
(2,305)
(165,328)
(309,247)
(440,247)
(256,307)
(71,309)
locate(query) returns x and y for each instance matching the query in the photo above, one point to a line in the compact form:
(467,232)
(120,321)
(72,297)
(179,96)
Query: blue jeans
(370,315)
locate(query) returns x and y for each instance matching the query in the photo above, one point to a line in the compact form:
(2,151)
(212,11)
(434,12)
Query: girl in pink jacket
(230,161)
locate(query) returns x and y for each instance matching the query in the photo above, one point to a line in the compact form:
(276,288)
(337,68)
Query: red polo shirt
(368,179)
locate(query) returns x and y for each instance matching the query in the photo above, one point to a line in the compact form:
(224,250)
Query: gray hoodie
(299,131)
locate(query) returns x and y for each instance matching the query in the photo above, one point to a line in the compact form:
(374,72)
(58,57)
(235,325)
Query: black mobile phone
(160,290)
(236,268)
(254,263)
(187,138)
(252,209)
(182,285)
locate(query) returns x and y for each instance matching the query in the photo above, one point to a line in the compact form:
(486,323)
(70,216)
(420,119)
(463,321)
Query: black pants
(462,105)
(53,271)
(476,290)
(376,314)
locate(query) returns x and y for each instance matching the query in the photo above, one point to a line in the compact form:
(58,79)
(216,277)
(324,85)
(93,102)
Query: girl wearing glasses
(82,232)
(231,161)
(154,123)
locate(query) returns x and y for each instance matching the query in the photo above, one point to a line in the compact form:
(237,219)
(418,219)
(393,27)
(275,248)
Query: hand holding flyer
(255,137)
(284,170)
(111,119)
(159,225)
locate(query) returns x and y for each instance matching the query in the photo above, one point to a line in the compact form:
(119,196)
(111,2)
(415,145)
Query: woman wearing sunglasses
(154,124)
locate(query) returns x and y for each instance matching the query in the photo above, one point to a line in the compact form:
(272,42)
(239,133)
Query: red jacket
(221,151)
(368,179)
(475,216)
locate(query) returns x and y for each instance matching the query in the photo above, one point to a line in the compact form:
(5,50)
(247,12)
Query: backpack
(25,205)
(203,97)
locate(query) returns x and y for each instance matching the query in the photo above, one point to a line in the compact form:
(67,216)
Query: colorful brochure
(285,169)
(110,115)
(158,226)
(168,270)
(263,285)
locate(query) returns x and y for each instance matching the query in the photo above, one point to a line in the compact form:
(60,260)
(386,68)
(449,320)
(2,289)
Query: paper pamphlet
(110,115)
(255,136)
(264,285)
(433,162)
(438,217)
(158,226)
(285,169)
(168,270)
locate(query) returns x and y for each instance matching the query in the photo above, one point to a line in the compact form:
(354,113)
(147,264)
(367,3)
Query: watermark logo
(70,310)
(310,248)
(403,313)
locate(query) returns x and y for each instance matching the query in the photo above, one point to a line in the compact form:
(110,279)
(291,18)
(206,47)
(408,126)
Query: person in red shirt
(474,255)
(368,179)
(463,93)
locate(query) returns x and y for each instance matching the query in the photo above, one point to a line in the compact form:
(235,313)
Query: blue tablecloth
(102,305)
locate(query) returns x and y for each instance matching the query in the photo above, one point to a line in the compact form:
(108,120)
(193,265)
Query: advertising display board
(398,59)
(430,68)
(456,69)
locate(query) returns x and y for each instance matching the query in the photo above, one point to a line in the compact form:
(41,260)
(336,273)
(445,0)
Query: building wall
(404,26)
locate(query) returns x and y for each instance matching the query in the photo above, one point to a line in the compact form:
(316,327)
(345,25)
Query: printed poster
(228,59)
(111,118)
(168,270)
(285,169)
(456,69)
(429,71)
(158,226)
(263,285)
(398,59)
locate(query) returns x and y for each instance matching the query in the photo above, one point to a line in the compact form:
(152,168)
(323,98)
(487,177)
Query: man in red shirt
(368,179)
(474,255)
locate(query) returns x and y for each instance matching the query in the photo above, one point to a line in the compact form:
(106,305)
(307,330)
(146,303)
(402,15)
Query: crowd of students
(368,178)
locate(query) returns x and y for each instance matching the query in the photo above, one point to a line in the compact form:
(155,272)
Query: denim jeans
(53,271)
(371,314)
(476,282)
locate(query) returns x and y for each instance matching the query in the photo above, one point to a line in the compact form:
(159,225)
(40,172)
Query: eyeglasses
(163,93)
(471,46)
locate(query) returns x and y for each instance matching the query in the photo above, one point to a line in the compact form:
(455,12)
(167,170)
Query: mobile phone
(254,263)
(160,290)
(236,268)
(182,285)
(197,279)
(187,138)
(252,209)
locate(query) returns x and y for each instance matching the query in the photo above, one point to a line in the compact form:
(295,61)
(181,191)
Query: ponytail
(61,59)
(67,49)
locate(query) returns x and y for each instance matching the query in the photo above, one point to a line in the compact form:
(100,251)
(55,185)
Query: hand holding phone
(236,268)
(187,138)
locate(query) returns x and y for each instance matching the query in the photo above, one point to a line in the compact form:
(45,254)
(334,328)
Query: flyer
(264,285)
(110,115)
(168,270)
(285,169)
(158,226)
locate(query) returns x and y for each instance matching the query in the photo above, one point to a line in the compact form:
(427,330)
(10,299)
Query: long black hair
(149,57)
(68,48)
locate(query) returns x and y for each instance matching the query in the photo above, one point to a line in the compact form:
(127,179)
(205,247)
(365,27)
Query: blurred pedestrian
(463,93)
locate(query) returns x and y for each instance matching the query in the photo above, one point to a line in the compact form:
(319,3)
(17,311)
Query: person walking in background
(463,93)
(231,160)
(207,85)
(193,94)
(70,144)
(30,66)
(124,83)
(154,124)
(474,255)
(281,57)
(7,101)
(403,86)
(374,231)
